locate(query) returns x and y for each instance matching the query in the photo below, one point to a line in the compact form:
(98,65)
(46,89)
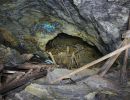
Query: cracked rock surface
(99,22)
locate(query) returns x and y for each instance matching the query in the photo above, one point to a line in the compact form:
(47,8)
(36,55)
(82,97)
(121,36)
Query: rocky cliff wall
(99,22)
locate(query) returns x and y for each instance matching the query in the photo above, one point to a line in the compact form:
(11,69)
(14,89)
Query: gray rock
(23,95)
(91,96)
(102,20)
(10,57)
(51,76)
(58,92)
(96,82)
(99,22)
(91,88)
(59,72)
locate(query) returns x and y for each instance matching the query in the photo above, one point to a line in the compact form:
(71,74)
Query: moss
(30,39)
(7,37)
(42,39)
(30,43)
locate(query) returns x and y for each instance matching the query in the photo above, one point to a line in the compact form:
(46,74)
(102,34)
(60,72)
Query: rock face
(99,22)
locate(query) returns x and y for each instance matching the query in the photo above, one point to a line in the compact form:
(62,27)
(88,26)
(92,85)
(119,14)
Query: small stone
(96,82)
(39,91)
(56,73)
(90,96)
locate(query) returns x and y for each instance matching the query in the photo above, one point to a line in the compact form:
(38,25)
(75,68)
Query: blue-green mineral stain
(48,27)
(45,27)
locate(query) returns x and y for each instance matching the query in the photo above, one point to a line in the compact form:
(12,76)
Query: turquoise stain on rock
(45,27)
(48,27)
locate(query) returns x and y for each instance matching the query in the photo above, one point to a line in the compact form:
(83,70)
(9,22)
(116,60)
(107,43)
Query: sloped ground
(92,88)
(82,86)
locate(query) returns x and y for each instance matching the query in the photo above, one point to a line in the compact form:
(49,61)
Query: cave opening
(72,52)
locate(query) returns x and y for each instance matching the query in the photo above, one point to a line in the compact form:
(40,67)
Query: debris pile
(73,84)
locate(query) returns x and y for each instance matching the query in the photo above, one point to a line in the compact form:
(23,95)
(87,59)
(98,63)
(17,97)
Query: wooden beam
(129,22)
(110,61)
(27,66)
(92,63)
(23,80)
(123,70)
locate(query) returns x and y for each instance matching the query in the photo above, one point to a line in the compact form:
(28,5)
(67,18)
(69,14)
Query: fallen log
(92,63)
(27,66)
(12,77)
(21,81)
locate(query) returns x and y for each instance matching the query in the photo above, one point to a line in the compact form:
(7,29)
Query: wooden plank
(30,66)
(123,70)
(93,63)
(17,83)
(110,62)
(129,22)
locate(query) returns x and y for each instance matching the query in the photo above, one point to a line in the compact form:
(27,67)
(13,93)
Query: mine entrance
(71,52)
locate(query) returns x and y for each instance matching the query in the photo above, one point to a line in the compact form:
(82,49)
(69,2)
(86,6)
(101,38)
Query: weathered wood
(27,78)
(110,62)
(93,63)
(123,70)
(35,66)
(1,67)
(27,66)
(12,77)
(34,71)
(12,71)
(52,57)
